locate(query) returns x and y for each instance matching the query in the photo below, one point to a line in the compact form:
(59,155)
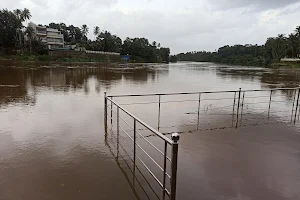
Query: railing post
(295,93)
(270,104)
(105,112)
(158,123)
(134,148)
(238,108)
(165,170)
(242,107)
(118,131)
(111,111)
(174,163)
(297,104)
(199,104)
(233,108)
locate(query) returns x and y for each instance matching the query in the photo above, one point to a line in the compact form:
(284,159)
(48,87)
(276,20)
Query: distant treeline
(272,51)
(13,34)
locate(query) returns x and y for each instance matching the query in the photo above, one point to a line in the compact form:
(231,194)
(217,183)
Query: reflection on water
(52,133)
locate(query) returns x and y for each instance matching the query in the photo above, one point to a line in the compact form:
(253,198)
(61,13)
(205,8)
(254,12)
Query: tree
(109,42)
(173,59)
(84,30)
(10,25)
(30,33)
(96,31)
(297,31)
(26,15)
(293,45)
(277,47)
(22,15)
(154,43)
(164,54)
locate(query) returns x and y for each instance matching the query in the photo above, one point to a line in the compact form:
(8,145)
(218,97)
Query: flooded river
(52,143)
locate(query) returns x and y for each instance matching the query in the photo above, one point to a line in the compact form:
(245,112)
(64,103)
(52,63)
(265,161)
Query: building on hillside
(53,38)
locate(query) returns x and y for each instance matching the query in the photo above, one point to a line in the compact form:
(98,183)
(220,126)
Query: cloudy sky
(182,25)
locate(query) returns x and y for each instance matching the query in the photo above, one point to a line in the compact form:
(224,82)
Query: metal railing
(173,143)
(239,101)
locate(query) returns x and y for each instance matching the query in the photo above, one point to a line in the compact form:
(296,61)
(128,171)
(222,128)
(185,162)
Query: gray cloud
(181,25)
(253,4)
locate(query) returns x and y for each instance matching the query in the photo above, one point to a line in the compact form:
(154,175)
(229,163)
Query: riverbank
(8,63)
(292,64)
(95,59)
(285,64)
(62,58)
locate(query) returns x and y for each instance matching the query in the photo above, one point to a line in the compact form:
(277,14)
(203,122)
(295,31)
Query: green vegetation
(270,53)
(173,59)
(46,57)
(16,39)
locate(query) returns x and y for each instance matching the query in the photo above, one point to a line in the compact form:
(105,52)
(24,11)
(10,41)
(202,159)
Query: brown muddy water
(53,145)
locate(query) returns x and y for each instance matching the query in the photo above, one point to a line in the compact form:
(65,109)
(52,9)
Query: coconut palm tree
(96,31)
(19,15)
(26,15)
(84,30)
(29,32)
(297,31)
(154,43)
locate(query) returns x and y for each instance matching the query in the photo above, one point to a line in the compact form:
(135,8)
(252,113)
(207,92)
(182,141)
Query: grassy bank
(73,59)
(49,58)
(291,64)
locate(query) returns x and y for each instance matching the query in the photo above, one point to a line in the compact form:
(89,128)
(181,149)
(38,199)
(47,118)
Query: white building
(52,37)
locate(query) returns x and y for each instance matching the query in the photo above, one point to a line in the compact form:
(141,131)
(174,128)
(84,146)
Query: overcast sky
(182,25)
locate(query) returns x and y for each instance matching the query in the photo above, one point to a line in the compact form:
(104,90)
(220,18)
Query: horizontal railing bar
(165,94)
(266,102)
(123,120)
(155,102)
(136,167)
(278,101)
(167,191)
(273,96)
(254,103)
(137,103)
(151,173)
(142,137)
(272,89)
(153,160)
(126,133)
(143,123)
(146,152)
(204,92)
(153,146)
(129,169)
(251,97)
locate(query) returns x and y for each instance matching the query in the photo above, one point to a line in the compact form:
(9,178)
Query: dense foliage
(13,34)
(273,50)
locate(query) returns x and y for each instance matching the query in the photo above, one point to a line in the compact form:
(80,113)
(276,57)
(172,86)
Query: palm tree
(96,31)
(19,15)
(281,36)
(297,31)
(84,29)
(26,15)
(72,32)
(29,32)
